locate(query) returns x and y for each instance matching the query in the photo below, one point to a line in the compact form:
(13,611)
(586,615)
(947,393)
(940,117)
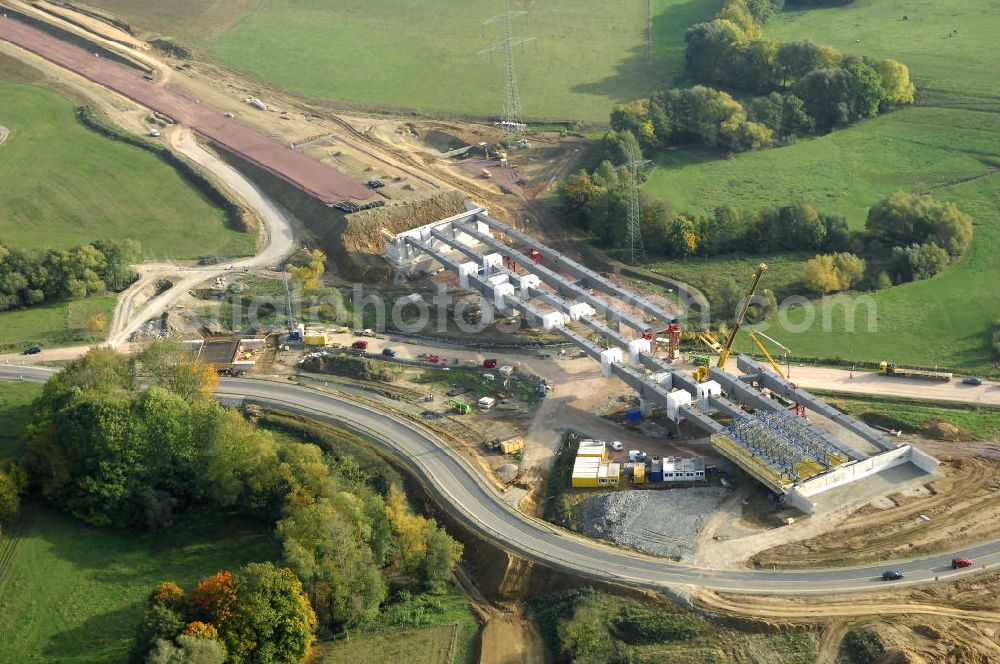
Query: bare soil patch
(4,134)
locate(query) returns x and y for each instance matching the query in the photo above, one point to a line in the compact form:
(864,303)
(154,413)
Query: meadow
(63,185)
(74,593)
(15,413)
(62,323)
(945,145)
(401,54)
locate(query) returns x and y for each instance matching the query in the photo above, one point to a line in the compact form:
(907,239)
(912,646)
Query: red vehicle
(360,345)
(957,563)
(489,364)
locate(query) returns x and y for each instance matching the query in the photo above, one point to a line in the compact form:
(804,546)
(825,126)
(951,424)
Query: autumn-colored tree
(307,267)
(201,629)
(410,528)
(168,594)
(170,365)
(213,600)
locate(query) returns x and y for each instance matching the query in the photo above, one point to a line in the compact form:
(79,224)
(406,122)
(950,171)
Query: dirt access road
(319,180)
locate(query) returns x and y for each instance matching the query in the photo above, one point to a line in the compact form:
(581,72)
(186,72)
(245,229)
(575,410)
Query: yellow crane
(753,335)
(701,373)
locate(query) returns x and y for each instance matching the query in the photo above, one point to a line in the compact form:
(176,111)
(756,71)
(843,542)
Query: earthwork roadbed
(316,179)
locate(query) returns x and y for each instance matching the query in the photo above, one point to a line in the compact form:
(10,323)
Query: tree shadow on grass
(102,638)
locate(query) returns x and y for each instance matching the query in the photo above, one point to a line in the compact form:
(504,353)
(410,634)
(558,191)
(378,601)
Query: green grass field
(910,415)
(945,145)
(54,324)
(15,413)
(63,185)
(588,54)
(429,645)
(73,593)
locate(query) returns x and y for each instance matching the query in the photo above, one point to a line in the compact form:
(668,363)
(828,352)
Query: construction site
(752,427)
(588,431)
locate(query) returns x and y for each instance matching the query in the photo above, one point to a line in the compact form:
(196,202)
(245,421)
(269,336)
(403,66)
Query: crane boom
(741,315)
(753,335)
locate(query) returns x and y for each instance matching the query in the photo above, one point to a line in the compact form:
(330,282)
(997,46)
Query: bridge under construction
(751,417)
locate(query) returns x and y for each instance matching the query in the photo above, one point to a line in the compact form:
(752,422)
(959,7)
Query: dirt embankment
(962,508)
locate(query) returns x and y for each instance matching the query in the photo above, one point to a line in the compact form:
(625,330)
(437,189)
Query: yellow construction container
(590,448)
(609,474)
(314,340)
(639,474)
(585,472)
(512,445)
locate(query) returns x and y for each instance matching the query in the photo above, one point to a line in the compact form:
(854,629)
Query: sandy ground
(4,134)
(507,639)
(93,25)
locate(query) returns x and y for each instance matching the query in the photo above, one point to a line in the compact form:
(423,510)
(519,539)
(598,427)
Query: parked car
(958,563)
(34,350)
(360,345)
(388,352)
(892,575)
(972,380)
(617,446)
(489,364)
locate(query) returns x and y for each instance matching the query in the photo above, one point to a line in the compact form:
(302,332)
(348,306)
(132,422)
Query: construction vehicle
(890,369)
(460,407)
(700,360)
(505,446)
(701,373)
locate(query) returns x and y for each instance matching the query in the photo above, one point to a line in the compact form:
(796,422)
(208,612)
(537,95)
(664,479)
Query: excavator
(701,373)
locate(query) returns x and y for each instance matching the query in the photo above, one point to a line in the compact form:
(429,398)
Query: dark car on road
(892,575)
(972,380)
(34,350)
(388,352)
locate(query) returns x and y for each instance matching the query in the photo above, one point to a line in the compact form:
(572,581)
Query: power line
(512,121)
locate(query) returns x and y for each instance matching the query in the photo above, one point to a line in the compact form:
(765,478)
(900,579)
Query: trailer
(890,369)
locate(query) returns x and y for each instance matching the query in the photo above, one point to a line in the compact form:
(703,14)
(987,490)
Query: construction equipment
(294,334)
(700,360)
(753,335)
(460,407)
(890,369)
(701,373)
(673,332)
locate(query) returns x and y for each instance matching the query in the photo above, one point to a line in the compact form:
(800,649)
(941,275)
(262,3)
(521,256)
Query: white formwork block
(498,279)
(709,388)
(529,281)
(464,270)
(579,310)
(635,347)
(499,292)
(674,402)
(663,378)
(609,357)
(483,229)
(553,319)
(492,263)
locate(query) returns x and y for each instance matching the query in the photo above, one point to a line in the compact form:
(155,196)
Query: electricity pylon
(635,246)
(512,121)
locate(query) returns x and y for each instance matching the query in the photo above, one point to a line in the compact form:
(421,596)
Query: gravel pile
(663,523)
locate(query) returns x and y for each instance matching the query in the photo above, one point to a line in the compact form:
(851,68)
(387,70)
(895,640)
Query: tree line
(28,278)
(800,87)
(911,236)
(112,454)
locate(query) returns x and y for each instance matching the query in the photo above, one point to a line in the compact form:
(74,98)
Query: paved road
(313,177)
(461,490)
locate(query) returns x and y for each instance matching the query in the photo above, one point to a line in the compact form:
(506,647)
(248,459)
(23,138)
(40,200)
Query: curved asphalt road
(460,489)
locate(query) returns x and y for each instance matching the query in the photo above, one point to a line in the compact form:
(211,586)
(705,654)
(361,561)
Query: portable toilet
(656,471)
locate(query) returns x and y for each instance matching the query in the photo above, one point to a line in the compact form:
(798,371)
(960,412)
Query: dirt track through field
(316,179)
